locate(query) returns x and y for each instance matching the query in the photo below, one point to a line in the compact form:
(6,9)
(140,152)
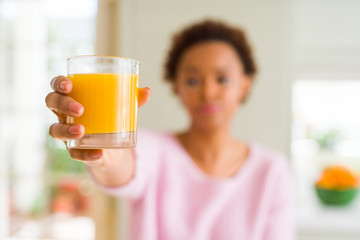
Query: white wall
(146,29)
(327,39)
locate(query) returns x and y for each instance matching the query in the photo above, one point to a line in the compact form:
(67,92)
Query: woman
(201,183)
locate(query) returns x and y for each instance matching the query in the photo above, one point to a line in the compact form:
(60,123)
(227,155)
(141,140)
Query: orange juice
(110,101)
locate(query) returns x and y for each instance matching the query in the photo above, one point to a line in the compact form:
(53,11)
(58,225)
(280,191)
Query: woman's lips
(209,109)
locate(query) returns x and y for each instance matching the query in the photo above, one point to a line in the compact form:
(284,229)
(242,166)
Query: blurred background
(304,103)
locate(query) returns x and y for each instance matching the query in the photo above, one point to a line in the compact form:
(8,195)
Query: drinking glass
(107,87)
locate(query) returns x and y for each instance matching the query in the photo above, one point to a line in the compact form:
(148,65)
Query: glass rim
(102,56)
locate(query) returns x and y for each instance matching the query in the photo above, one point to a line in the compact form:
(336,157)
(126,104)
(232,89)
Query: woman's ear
(174,86)
(245,86)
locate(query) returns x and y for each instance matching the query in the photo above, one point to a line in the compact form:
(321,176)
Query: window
(325,126)
(43,193)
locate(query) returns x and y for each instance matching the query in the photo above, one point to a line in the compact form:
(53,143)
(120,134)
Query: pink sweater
(172,199)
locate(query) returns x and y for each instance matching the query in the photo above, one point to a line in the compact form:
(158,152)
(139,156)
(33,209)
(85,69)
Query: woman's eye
(224,80)
(193,82)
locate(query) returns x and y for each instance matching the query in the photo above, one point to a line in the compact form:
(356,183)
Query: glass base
(104,140)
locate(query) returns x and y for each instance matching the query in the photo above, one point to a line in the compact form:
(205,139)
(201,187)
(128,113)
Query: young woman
(201,183)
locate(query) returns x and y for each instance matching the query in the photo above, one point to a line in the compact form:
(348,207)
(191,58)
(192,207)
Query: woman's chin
(209,124)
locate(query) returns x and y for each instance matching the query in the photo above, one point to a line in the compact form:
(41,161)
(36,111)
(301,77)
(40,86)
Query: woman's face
(211,83)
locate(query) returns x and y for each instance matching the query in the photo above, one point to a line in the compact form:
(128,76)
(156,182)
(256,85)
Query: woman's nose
(209,90)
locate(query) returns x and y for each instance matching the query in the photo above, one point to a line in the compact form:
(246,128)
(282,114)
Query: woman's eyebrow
(223,69)
(190,69)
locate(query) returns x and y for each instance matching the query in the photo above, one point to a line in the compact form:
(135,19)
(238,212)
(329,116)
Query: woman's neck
(215,151)
(207,140)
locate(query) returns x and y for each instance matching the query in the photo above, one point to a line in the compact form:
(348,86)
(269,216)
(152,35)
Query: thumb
(143,95)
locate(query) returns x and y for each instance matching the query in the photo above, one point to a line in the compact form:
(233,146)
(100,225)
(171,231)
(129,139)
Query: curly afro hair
(208,30)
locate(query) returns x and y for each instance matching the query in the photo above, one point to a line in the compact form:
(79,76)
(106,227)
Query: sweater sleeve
(281,222)
(147,157)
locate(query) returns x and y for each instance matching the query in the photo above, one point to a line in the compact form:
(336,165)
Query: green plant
(327,139)
(59,160)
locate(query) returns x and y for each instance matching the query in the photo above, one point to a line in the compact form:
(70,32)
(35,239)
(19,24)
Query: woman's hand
(63,105)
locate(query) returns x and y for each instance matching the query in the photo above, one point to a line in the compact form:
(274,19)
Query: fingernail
(74,129)
(63,85)
(76,107)
(96,154)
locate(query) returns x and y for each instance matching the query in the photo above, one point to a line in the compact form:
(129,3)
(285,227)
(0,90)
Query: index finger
(61,84)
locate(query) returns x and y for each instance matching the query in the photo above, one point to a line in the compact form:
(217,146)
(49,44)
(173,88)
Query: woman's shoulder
(265,151)
(159,144)
(268,157)
(154,137)
(155,134)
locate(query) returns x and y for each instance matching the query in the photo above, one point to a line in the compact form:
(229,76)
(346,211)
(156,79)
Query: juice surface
(109,100)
